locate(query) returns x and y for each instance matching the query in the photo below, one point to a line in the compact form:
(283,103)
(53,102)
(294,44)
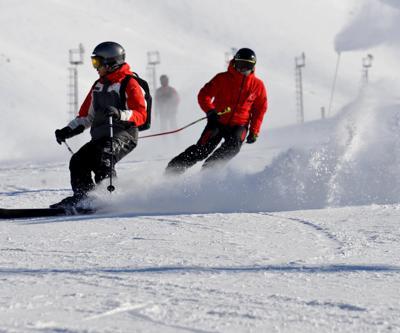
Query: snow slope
(308,271)
(232,251)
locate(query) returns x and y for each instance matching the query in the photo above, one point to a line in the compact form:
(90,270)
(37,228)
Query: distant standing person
(166,104)
(239,90)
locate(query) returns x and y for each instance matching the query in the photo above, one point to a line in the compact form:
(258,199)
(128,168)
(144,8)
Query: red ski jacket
(135,107)
(245,95)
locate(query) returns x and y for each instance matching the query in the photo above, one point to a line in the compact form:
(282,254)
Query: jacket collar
(118,74)
(236,74)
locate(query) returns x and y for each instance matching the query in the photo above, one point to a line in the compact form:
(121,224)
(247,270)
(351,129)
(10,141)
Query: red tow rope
(227,110)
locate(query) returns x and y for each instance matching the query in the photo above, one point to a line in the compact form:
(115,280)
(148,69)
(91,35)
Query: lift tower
(153,59)
(367,64)
(300,62)
(75,59)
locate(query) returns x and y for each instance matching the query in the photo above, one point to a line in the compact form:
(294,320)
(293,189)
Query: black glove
(251,138)
(67,132)
(212,116)
(112,111)
(63,134)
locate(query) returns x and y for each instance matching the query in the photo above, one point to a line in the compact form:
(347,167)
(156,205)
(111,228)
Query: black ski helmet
(110,54)
(245,59)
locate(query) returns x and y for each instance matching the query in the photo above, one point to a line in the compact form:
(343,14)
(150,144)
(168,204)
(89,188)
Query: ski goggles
(244,65)
(97,62)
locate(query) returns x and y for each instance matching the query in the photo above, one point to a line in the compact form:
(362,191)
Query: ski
(42,212)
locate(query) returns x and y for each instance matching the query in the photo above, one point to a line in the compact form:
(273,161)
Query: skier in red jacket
(238,90)
(102,102)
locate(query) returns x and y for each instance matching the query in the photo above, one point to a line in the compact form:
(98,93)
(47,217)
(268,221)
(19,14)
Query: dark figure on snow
(166,102)
(102,102)
(237,90)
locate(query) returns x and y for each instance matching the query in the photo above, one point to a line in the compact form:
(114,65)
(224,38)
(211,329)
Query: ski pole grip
(227,110)
(110,121)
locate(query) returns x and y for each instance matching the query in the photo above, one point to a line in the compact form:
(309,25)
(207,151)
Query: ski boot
(70,203)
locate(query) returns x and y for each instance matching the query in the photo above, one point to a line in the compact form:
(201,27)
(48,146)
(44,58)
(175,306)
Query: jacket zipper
(238,100)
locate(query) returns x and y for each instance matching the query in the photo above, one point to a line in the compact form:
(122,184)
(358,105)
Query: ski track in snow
(196,273)
(319,230)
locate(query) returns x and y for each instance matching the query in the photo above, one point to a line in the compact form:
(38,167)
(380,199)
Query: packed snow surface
(304,271)
(234,250)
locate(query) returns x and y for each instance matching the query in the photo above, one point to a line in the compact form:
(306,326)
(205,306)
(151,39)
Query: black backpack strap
(95,82)
(122,90)
(142,83)
(147,96)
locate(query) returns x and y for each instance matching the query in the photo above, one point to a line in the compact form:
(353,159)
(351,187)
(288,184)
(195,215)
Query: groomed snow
(302,271)
(214,252)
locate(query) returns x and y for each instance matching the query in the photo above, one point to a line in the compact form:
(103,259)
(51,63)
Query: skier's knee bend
(192,155)
(187,159)
(197,152)
(174,168)
(102,173)
(235,148)
(75,163)
(230,148)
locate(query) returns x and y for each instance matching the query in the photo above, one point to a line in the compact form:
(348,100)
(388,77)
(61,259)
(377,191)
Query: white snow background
(299,233)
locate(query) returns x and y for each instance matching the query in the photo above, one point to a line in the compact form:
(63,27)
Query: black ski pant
(95,156)
(210,138)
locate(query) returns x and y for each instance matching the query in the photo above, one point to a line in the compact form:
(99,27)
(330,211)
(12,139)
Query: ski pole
(111,187)
(69,148)
(227,110)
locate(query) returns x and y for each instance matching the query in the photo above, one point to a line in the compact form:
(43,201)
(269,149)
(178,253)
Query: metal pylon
(72,92)
(299,64)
